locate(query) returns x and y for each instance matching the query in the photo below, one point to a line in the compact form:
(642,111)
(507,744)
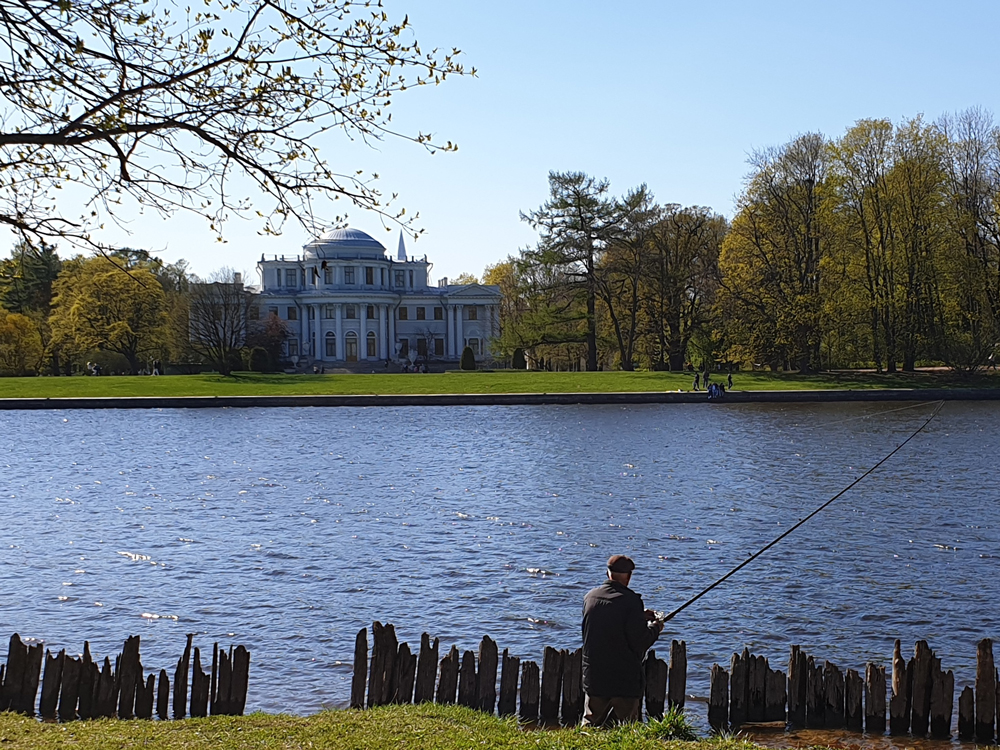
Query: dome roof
(345,243)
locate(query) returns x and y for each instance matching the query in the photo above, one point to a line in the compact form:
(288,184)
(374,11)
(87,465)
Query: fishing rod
(773,542)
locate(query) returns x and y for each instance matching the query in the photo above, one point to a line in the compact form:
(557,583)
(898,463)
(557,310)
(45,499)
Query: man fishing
(617,632)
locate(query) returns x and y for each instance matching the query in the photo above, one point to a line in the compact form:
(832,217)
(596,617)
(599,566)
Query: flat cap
(620,564)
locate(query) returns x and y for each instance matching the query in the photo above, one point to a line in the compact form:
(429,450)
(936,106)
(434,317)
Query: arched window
(351,346)
(331,345)
(371,345)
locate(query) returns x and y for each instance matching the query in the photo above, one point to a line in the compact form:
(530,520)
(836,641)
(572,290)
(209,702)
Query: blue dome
(345,243)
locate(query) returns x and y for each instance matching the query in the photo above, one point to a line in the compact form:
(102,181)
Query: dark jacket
(616,637)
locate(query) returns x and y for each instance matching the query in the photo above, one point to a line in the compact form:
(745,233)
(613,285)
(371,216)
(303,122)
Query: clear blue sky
(673,94)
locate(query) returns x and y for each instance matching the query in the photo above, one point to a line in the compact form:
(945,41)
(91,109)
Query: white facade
(345,300)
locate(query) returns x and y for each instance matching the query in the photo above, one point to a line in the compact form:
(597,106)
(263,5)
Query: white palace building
(346,300)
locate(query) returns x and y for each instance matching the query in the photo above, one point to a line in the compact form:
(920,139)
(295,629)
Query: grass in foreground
(503,381)
(425,727)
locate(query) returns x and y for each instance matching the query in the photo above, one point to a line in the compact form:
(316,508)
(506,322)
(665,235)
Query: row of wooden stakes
(78,688)
(822,696)
(550,696)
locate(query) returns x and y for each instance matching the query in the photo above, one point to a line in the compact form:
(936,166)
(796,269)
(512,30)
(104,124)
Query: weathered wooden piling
(967,714)
(406,672)
(815,695)
(89,675)
(381,680)
(200,683)
(530,692)
(448,684)
(552,671)
(833,686)
(69,689)
(718,702)
(423,691)
(509,668)
(942,702)
(854,689)
(775,696)
(899,703)
(128,666)
(106,694)
(797,684)
(986,691)
(738,689)
(875,691)
(50,685)
(919,672)
(467,681)
(359,677)
(162,695)
(572,688)
(241,681)
(656,671)
(756,687)
(486,676)
(144,698)
(677,675)
(181,680)
(19,685)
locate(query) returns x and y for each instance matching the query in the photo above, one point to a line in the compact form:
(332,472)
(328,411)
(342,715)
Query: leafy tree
(26,278)
(218,316)
(20,344)
(133,103)
(97,306)
(465,278)
(268,334)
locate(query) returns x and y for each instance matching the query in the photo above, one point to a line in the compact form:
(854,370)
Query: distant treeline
(877,249)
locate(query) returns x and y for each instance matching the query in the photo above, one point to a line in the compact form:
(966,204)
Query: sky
(675,95)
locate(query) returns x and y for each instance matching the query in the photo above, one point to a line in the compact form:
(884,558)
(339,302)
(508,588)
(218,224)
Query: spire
(401,253)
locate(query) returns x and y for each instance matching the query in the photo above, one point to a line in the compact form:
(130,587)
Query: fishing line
(822,425)
(770,544)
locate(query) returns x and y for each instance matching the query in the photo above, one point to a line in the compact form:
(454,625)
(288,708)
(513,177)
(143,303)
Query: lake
(287,530)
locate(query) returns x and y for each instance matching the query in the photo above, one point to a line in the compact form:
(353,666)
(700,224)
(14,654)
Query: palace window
(473,313)
(371,344)
(293,347)
(369,275)
(350,312)
(254,312)
(404,348)
(329,313)
(272,311)
(411,279)
(312,312)
(331,345)
(400,280)
(327,275)
(371,312)
(349,275)
(474,345)
(438,313)
(293,313)
(438,347)
(404,313)
(422,347)
(421,313)
(291,277)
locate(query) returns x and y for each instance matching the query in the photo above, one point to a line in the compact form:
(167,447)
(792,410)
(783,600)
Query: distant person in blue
(696,381)
(729,380)
(617,632)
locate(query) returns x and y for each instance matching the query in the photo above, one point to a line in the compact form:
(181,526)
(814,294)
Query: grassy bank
(509,381)
(426,727)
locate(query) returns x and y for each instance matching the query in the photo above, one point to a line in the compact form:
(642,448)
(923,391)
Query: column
(303,331)
(339,330)
(363,336)
(320,343)
(391,343)
(382,344)
(460,333)
(449,346)
(315,332)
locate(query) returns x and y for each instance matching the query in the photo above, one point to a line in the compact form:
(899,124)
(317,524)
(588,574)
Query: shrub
(468,361)
(259,360)
(517,361)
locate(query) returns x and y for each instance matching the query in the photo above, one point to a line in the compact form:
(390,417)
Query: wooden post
(874,698)
(70,689)
(426,670)
(718,702)
(899,703)
(756,688)
(162,695)
(213,690)
(144,700)
(552,668)
(199,687)
(241,681)
(854,688)
(775,696)
(32,673)
(510,665)
(572,687)
(181,680)
(738,690)
(449,677)
(50,685)
(406,670)
(815,695)
(486,676)
(128,677)
(13,677)
(797,682)
(920,688)
(530,693)
(677,675)
(656,685)
(89,675)
(359,676)
(221,703)
(986,691)
(383,663)
(966,714)
(942,702)
(107,692)
(833,680)
(467,681)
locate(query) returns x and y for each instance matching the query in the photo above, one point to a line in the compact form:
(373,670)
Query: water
(288,530)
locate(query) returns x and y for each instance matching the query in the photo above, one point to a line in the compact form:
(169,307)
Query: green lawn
(507,381)
(425,727)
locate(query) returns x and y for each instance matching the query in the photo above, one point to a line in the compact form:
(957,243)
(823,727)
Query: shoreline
(499,399)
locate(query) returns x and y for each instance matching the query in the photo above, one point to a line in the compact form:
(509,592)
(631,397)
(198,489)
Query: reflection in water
(288,530)
(843,740)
